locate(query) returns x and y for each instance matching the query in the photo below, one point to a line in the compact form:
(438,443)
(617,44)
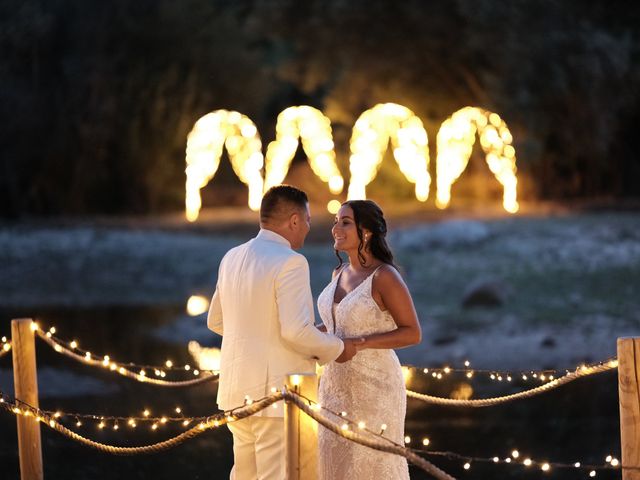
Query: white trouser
(258,448)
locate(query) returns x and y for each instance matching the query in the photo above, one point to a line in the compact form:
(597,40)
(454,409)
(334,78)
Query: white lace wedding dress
(369,388)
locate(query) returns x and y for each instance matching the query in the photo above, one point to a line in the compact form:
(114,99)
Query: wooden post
(25,382)
(629,392)
(301,432)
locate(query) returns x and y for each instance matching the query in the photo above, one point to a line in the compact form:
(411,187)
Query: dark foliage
(96,98)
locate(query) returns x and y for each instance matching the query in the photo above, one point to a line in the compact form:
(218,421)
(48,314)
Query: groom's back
(254,355)
(248,283)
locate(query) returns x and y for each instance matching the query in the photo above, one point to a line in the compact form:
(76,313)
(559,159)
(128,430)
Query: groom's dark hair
(279,201)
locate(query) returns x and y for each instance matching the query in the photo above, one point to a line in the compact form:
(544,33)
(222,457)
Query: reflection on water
(207,358)
(578,422)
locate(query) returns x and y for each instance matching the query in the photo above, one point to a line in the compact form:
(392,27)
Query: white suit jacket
(263,309)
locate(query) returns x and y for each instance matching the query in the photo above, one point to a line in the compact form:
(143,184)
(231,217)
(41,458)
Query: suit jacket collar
(272,236)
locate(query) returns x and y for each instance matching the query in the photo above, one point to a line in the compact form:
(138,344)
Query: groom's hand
(350,349)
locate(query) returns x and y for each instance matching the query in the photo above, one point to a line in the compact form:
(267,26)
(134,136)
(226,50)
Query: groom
(263,308)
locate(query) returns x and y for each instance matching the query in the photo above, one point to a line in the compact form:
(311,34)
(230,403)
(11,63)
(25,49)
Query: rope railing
(487,402)
(582,371)
(115,367)
(207,424)
(216,421)
(361,435)
(59,346)
(382,444)
(499,375)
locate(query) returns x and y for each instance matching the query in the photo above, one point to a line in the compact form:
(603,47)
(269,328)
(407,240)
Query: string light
(102,420)
(205,142)
(545,466)
(455,142)
(515,454)
(501,375)
(371,135)
(75,352)
(314,129)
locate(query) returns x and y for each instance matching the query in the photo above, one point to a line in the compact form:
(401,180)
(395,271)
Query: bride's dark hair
(368,215)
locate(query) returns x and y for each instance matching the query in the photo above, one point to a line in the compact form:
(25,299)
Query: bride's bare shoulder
(387,277)
(337,270)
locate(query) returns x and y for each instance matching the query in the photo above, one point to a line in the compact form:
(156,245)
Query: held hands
(351,347)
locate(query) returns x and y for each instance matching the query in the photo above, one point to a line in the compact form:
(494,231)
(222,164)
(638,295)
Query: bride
(366,298)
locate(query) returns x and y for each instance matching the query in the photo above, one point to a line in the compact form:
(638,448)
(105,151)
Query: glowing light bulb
(197,305)
(333,206)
